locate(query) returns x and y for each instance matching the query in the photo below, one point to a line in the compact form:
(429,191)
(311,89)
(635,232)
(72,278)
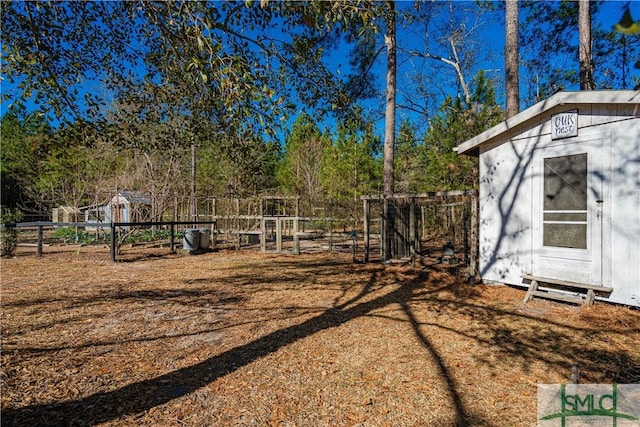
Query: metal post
(40,236)
(172,238)
(113,242)
(466,222)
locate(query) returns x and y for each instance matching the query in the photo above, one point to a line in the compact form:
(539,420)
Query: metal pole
(194,203)
(172,238)
(40,235)
(113,242)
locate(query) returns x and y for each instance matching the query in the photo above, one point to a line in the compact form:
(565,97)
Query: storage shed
(66,214)
(128,206)
(559,195)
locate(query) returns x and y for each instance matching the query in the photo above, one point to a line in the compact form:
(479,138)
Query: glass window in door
(564,221)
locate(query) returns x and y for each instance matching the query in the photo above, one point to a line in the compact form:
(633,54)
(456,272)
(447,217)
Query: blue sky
(488,41)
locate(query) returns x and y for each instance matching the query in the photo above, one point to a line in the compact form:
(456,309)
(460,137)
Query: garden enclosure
(438,227)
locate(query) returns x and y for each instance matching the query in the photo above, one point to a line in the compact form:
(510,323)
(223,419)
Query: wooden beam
(296,235)
(429,195)
(475,241)
(278,235)
(366,220)
(566,283)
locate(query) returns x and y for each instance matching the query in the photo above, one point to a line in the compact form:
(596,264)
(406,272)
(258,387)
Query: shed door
(569,209)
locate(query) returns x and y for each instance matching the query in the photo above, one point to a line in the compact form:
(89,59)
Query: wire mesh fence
(430,228)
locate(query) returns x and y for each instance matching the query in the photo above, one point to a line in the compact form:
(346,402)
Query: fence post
(413,242)
(278,235)
(354,246)
(466,223)
(172,237)
(367,218)
(475,241)
(296,236)
(113,242)
(214,230)
(330,225)
(40,237)
(384,231)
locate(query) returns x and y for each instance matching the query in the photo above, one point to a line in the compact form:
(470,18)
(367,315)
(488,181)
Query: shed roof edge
(581,97)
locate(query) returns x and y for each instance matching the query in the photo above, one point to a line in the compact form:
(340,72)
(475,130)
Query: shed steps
(553,290)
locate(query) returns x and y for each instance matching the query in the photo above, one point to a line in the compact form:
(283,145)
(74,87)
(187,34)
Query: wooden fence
(405,227)
(113,227)
(407,222)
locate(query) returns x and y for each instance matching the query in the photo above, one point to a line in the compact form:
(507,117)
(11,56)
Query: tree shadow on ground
(415,292)
(144,395)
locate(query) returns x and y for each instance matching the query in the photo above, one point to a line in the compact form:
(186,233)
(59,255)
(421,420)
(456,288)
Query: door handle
(599,209)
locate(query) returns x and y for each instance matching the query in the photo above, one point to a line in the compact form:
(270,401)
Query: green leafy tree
(445,169)
(352,166)
(188,58)
(219,75)
(223,63)
(250,163)
(628,27)
(409,167)
(550,36)
(304,152)
(26,144)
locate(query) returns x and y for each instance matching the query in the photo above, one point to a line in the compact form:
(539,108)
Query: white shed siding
(508,214)
(505,212)
(625,213)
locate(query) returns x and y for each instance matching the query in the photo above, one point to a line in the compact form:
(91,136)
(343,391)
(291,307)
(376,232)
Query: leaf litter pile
(249,339)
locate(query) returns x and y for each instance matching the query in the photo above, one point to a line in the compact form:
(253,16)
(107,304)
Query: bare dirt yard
(248,339)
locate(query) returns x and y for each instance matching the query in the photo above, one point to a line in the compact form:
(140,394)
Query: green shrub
(146,235)
(8,233)
(75,235)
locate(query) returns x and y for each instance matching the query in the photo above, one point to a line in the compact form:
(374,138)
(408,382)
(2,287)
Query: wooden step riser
(567,284)
(578,299)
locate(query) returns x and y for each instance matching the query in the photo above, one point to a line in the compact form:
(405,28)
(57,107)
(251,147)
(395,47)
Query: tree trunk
(390,112)
(511,58)
(389,129)
(586,57)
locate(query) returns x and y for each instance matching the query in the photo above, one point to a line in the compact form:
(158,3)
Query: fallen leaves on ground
(245,338)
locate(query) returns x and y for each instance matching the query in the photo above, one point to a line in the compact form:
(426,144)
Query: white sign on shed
(564,125)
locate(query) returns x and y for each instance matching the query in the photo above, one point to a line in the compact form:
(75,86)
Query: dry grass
(242,338)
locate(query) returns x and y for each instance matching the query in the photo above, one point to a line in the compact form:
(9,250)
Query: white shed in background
(560,194)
